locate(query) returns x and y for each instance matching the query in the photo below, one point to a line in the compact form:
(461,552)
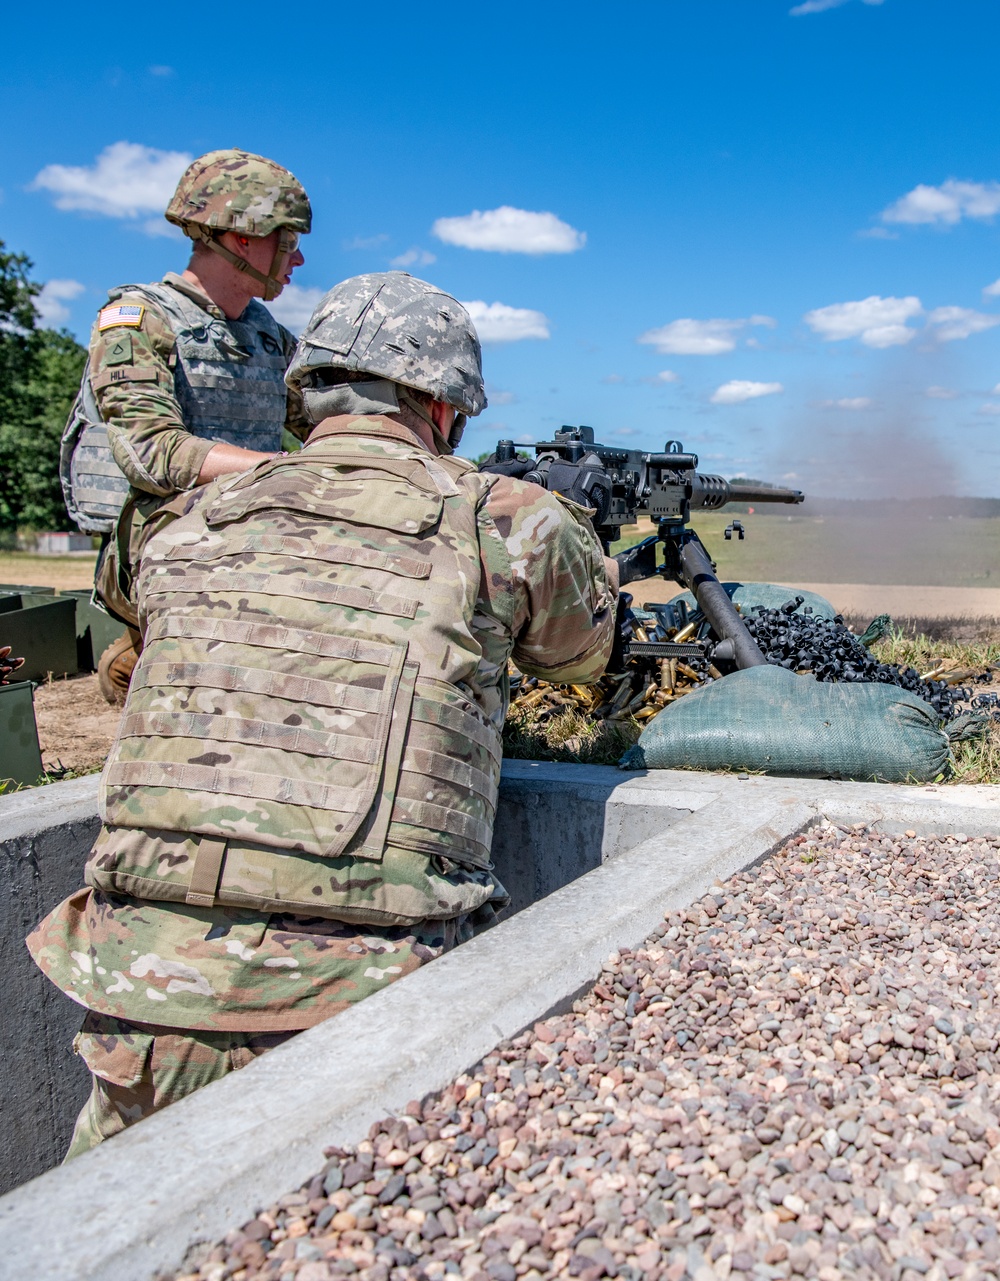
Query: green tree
(39,375)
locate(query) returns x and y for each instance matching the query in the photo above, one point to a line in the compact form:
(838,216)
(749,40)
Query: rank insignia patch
(120,314)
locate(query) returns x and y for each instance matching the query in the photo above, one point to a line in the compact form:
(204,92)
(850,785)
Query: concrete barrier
(552,828)
(212,1161)
(44,838)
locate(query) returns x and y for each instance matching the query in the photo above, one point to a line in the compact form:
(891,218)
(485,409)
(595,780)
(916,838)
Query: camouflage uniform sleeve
(558,598)
(296,421)
(133,381)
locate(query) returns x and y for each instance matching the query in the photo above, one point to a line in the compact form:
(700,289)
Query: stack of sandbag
(770,720)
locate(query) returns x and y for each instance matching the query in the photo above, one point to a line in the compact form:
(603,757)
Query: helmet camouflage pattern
(235,190)
(391,325)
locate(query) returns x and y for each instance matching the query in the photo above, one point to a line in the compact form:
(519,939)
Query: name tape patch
(120,314)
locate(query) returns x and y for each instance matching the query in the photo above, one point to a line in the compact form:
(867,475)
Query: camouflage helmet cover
(392,325)
(235,190)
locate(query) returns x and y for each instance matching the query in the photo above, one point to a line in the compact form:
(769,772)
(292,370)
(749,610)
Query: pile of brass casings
(639,693)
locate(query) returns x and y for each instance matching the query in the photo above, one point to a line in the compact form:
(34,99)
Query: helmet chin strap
(272,285)
(405,397)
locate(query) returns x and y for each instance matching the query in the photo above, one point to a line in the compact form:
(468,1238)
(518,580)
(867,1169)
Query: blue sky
(768,227)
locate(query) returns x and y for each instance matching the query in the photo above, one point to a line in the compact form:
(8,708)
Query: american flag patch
(120,315)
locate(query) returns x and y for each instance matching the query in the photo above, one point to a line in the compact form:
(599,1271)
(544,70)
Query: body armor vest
(307,695)
(229,383)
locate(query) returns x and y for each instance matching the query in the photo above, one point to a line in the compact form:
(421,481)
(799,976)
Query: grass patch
(925,654)
(977,760)
(8,787)
(569,737)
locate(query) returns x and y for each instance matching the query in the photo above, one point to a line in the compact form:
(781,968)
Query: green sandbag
(771,596)
(768,719)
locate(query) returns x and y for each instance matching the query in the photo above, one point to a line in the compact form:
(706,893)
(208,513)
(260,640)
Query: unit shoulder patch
(128,314)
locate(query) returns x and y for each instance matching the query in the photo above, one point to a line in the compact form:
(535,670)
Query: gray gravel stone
(794,1077)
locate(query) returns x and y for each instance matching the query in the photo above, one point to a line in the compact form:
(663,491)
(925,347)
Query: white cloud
(414,258)
(294,305)
(992,291)
(953,323)
(739,389)
(613,378)
(499,397)
(162,71)
(365,242)
(821,6)
(941,393)
(160,227)
(688,337)
(847,402)
(667,376)
(496,322)
(125,181)
(878,322)
(996,390)
(49,303)
(510,231)
(989,408)
(947,204)
(815,6)
(878,233)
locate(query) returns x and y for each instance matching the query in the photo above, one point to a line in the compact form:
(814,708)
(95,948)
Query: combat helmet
(393,326)
(238,191)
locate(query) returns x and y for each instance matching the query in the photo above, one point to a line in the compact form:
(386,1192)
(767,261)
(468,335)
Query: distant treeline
(40,372)
(903,508)
(878,508)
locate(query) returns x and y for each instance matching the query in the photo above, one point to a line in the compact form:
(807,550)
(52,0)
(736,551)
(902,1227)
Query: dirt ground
(75,725)
(975,609)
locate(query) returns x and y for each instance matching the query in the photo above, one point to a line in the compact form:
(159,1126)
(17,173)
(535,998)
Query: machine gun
(623,484)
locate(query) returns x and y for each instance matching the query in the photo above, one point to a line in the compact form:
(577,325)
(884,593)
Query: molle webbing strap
(363,598)
(222,782)
(374,844)
(258,680)
(98,468)
(357,649)
(408,836)
(230,729)
(85,495)
(283,545)
(206,871)
(429,764)
(437,818)
(452,718)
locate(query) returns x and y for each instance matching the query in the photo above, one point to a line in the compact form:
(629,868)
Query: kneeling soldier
(299,806)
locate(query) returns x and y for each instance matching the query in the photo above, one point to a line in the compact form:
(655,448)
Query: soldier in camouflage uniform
(188,373)
(299,807)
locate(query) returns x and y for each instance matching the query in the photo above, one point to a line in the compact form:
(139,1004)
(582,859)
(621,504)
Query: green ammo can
(20,758)
(43,633)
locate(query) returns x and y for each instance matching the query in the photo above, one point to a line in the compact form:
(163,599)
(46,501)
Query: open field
(783,548)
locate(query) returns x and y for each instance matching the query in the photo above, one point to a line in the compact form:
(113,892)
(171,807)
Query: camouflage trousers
(139,1069)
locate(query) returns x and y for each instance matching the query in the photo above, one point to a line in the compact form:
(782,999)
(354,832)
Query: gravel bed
(796,1077)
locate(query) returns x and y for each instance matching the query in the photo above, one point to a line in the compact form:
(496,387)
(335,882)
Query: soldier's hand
(516,466)
(582,483)
(8,664)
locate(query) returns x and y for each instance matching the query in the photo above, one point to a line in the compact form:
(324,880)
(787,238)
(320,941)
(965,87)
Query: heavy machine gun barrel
(710,492)
(624,484)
